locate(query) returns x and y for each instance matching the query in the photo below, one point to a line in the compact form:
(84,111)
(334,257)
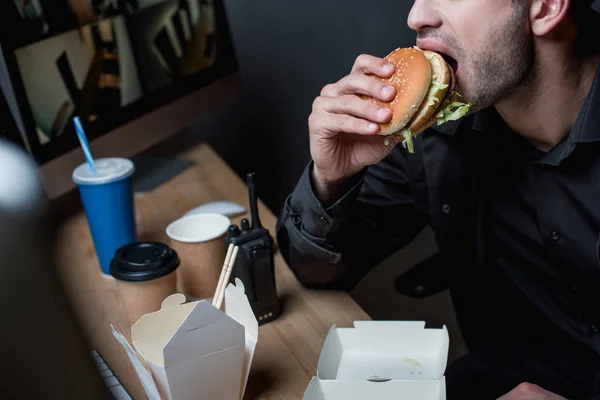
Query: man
(512,192)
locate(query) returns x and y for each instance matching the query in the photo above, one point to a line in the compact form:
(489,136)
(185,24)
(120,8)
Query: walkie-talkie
(254,265)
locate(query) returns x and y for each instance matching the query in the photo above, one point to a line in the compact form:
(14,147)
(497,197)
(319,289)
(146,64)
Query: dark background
(287,51)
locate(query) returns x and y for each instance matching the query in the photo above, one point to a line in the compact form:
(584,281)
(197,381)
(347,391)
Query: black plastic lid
(143,261)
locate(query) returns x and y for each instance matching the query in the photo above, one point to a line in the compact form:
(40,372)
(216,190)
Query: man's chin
(465,94)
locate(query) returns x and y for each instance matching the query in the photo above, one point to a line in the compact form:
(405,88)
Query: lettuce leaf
(407,142)
(435,85)
(454,111)
(432,89)
(407,134)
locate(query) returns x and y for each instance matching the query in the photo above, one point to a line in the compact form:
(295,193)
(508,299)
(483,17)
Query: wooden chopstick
(223,273)
(230,264)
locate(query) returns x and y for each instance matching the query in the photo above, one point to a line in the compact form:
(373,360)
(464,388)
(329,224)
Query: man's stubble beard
(504,69)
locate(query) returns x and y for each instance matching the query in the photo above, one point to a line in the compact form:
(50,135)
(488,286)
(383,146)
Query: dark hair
(587,21)
(586,18)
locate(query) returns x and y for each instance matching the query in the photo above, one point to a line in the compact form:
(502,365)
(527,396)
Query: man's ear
(546,15)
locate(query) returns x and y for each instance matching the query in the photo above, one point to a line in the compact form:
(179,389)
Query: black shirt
(518,228)
(541,202)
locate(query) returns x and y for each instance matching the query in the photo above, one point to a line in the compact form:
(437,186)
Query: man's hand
(528,391)
(343,127)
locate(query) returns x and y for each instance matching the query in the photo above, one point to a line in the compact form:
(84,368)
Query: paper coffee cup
(200,242)
(146,275)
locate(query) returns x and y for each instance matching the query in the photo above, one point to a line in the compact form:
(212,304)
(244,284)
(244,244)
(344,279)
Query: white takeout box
(194,350)
(382,360)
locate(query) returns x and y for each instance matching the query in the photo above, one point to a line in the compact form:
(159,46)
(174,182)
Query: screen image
(107,61)
(89,73)
(173,39)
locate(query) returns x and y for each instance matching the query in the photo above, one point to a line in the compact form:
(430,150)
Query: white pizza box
(194,350)
(382,359)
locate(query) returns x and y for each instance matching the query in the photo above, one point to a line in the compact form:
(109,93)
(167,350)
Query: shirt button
(446,208)
(595,329)
(555,235)
(574,287)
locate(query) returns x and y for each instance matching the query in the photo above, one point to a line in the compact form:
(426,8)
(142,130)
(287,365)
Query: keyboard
(113,383)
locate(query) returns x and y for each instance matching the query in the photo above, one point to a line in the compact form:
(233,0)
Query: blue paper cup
(107,198)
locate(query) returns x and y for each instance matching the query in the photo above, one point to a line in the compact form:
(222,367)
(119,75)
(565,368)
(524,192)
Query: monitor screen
(107,61)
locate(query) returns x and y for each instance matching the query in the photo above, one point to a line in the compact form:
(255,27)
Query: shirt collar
(587,125)
(585,130)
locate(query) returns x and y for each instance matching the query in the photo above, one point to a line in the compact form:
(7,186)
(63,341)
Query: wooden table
(288,348)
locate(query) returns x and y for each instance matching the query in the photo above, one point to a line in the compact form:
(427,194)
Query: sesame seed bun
(425,85)
(438,95)
(451,96)
(411,79)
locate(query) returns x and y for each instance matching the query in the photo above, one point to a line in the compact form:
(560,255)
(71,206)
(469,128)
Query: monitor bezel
(225,65)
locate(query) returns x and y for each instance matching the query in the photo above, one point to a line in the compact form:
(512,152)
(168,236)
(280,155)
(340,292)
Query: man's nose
(424,15)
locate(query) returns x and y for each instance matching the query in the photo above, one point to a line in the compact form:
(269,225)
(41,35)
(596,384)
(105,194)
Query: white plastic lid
(107,170)
(198,228)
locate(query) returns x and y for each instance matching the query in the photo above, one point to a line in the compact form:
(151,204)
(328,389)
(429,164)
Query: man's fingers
(333,124)
(353,105)
(339,109)
(529,391)
(360,84)
(367,64)
(330,90)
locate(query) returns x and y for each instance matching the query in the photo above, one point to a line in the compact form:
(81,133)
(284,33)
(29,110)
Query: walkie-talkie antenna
(253,203)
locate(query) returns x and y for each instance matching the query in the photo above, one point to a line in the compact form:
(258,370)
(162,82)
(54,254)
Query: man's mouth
(437,46)
(451,61)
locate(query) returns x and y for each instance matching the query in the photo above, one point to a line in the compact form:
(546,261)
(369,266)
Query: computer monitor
(8,128)
(133,71)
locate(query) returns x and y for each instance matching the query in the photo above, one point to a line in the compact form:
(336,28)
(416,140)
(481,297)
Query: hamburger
(425,94)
